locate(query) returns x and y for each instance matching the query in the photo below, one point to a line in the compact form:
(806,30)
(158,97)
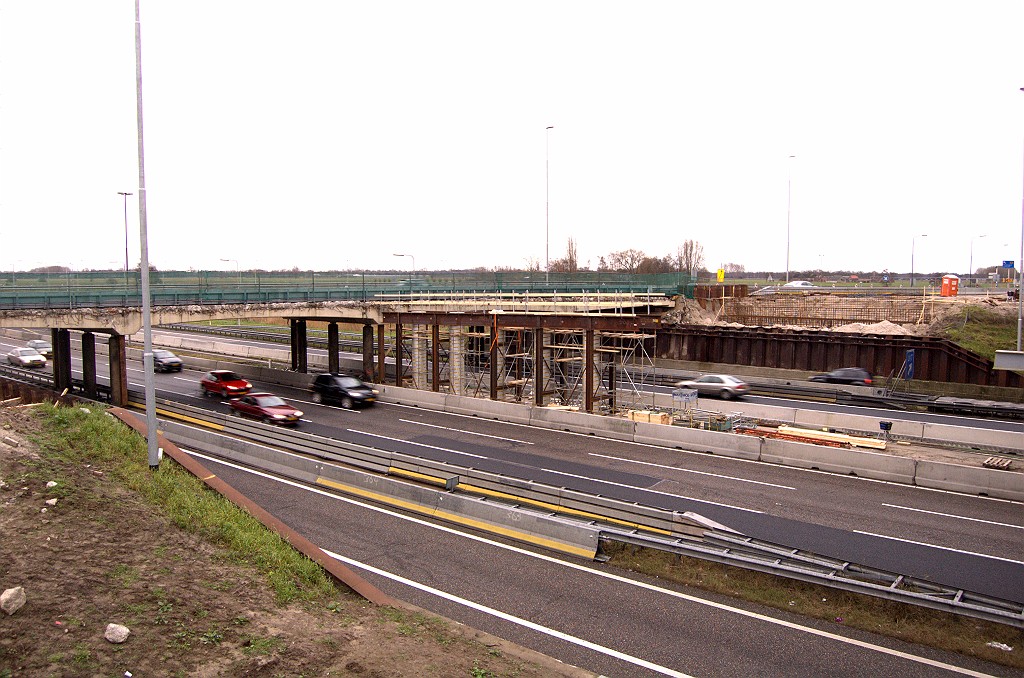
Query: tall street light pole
(1020,273)
(238,273)
(789,209)
(970,265)
(125,235)
(923,235)
(547,202)
(413,261)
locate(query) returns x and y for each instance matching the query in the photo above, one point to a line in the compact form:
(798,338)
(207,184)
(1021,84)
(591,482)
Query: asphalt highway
(620,623)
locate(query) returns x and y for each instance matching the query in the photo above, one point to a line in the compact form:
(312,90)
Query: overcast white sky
(333,134)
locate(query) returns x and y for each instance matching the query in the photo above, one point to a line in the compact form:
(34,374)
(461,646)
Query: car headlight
(279,416)
(297,413)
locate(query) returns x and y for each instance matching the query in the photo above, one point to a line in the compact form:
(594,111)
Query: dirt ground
(100,555)
(932,318)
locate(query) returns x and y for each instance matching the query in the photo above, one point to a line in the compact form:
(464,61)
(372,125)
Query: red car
(266,407)
(224,383)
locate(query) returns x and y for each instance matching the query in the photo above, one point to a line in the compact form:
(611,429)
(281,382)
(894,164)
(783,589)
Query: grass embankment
(980,330)
(913,624)
(222,594)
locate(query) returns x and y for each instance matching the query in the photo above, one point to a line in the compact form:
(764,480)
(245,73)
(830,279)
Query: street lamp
(923,235)
(125,235)
(1020,274)
(970,266)
(413,261)
(237,272)
(789,206)
(547,203)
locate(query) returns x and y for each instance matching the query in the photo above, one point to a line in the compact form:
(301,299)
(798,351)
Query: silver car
(42,346)
(723,386)
(26,357)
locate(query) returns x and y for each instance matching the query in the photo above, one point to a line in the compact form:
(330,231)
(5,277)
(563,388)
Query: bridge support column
(419,356)
(89,364)
(493,359)
(456,360)
(382,373)
(399,362)
(117,358)
(435,358)
(61,340)
(538,367)
(588,374)
(368,352)
(299,346)
(332,347)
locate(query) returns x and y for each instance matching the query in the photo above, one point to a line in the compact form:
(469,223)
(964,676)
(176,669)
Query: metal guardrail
(626,522)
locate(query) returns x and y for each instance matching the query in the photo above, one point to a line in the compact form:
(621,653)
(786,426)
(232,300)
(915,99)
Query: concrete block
(839,460)
(970,480)
(489,409)
(684,438)
(981,437)
(411,396)
(581,422)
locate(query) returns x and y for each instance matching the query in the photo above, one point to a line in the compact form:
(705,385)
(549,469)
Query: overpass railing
(20,290)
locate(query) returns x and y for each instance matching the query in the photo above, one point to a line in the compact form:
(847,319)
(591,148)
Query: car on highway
(43,346)
(347,391)
(791,286)
(267,407)
(855,376)
(724,386)
(165,361)
(224,383)
(26,357)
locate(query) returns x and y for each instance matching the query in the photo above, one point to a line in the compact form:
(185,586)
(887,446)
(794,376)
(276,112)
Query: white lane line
(459,430)
(686,470)
(606,575)
(188,379)
(936,546)
(953,515)
(409,442)
(657,668)
(738,460)
(566,474)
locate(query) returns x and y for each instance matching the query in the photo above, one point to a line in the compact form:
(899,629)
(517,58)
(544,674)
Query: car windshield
(27,351)
(163,354)
(349,382)
(228,376)
(39,343)
(269,401)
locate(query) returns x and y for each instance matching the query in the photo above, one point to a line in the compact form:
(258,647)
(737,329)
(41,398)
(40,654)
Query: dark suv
(856,376)
(347,391)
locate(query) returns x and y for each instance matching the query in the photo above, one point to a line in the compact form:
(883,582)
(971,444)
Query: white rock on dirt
(11,600)
(116,633)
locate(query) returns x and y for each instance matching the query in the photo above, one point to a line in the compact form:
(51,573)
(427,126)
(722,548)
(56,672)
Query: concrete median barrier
(970,480)
(983,438)
(581,422)
(489,409)
(412,396)
(695,440)
(839,460)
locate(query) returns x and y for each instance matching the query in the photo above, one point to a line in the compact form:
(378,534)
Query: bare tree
(690,256)
(626,260)
(567,264)
(735,268)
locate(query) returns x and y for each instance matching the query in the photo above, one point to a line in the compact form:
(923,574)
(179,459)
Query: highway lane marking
(472,433)
(936,546)
(567,474)
(953,515)
(606,575)
(657,668)
(795,469)
(409,442)
(686,470)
